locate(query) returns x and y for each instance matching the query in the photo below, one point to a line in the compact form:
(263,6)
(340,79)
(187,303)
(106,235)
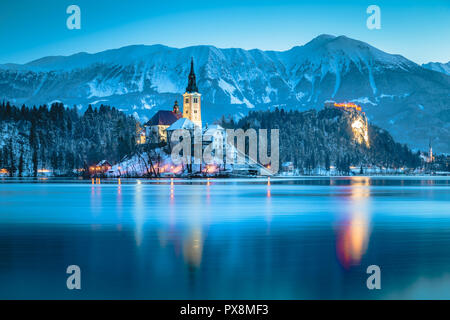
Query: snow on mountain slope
(143,79)
(438,66)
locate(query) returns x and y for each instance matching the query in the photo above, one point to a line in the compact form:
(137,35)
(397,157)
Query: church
(192,100)
(165,121)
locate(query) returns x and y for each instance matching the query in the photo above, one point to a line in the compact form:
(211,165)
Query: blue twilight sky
(30,29)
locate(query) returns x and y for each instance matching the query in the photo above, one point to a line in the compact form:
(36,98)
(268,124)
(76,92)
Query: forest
(64,141)
(312,139)
(61,139)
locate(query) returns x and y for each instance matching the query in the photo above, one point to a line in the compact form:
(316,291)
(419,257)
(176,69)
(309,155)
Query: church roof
(164,118)
(192,82)
(183,123)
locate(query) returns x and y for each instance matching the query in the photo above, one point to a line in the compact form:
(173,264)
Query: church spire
(192,84)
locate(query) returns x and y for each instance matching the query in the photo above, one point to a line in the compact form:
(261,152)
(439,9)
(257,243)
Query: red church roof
(164,118)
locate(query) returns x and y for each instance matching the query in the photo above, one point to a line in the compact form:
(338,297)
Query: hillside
(334,137)
(410,101)
(60,140)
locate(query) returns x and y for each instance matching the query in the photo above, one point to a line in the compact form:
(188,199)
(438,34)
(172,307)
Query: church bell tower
(192,100)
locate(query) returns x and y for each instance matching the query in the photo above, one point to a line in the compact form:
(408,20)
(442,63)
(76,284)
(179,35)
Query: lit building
(180,124)
(287,168)
(430,154)
(101,168)
(140,135)
(158,124)
(192,100)
(345,105)
(141,138)
(157,127)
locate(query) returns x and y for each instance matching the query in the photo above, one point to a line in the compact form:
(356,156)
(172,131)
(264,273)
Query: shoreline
(198,178)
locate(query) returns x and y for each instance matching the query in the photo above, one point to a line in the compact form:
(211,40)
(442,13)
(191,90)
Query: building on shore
(101,168)
(287,168)
(182,123)
(141,135)
(430,154)
(192,99)
(158,124)
(428,158)
(161,127)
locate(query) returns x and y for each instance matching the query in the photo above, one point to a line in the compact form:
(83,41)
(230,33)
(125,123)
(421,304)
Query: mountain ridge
(327,37)
(438,66)
(396,93)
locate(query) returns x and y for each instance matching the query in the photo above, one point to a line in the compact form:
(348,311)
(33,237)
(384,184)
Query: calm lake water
(302,238)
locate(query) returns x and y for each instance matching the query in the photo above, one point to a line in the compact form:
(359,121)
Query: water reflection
(139,213)
(96,200)
(269,208)
(184,224)
(225,239)
(172,190)
(354,230)
(119,206)
(193,248)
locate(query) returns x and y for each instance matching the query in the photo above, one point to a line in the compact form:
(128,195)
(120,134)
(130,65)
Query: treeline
(312,139)
(61,139)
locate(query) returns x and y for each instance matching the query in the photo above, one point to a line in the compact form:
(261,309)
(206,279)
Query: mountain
(410,101)
(438,66)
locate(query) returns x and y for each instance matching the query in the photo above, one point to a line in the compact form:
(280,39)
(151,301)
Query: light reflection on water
(353,231)
(273,238)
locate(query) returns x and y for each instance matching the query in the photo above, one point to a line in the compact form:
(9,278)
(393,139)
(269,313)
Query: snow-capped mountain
(438,66)
(410,101)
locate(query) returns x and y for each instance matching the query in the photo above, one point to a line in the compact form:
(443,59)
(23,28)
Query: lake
(283,238)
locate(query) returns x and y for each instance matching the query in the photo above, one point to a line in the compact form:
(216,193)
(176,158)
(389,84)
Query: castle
(345,105)
(164,121)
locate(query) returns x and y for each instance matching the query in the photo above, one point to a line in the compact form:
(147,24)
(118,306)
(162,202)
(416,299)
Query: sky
(30,29)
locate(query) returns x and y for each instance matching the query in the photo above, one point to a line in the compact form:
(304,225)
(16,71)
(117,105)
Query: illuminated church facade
(165,121)
(192,100)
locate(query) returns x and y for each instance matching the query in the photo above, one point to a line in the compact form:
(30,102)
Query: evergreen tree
(327,162)
(35,162)
(12,167)
(21,164)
